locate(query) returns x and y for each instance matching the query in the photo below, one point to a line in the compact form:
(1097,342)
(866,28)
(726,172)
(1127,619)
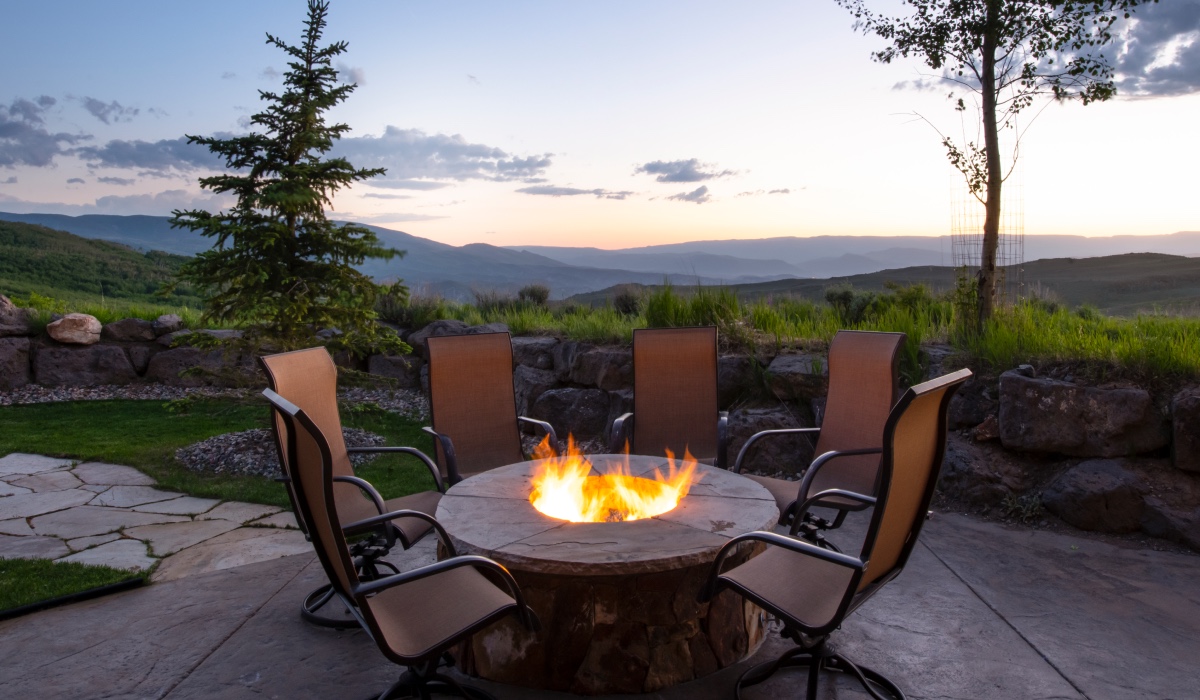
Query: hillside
(62,265)
(1119,285)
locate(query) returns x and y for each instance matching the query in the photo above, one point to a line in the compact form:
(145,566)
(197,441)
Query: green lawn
(145,434)
(26,581)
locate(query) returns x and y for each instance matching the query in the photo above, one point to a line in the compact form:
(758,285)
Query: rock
(167,323)
(166,366)
(214,368)
(934,359)
(139,356)
(1175,524)
(578,412)
(82,366)
(168,339)
(972,404)
(790,454)
(799,377)
(1185,416)
(1044,415)
(75,329)
(605,368)
(981,475)
(129,330)
(735,376)
(14,321)
(1099,495)
(447,326)
(14,362)
(530,383)
(989,429)
(405,369)
(565,355)
(534,352)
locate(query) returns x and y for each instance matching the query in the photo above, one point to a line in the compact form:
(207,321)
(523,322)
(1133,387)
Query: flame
(566,488)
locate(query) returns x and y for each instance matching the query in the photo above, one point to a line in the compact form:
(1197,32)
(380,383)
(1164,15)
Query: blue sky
(604,124)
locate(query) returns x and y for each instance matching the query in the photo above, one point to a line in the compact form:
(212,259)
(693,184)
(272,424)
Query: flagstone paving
(114,515)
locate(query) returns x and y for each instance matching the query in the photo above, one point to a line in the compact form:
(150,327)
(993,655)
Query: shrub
(534,294)
(627,300)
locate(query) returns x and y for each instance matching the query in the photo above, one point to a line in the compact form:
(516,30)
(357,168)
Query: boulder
(167,323)
(14,363)
(972,404)
(578,412)
(799,377)
(405,369)
(534,352)
(75,329)
(1046,415)
(129,330)
(82,366)
(790,454)
(530,383)
(735,377)
(214,368)
(139,356)
(168,339)
(565,355)
(1185,417)
(14,321)
(607,368)
(989,429)
(447,326)
(1175,524)
(1099,495)
(981,475)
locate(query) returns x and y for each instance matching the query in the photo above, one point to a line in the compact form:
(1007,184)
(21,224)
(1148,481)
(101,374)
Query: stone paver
(16,526)
(14,547)
(20,463)
(187,505)
(60,480)
(119,554)
(169,538)
(28,505)
(111,475)
(7,489)
(130,496)
(283,519)
(234,548)
(81,543)
(96,520)
(239,512)
(96,488)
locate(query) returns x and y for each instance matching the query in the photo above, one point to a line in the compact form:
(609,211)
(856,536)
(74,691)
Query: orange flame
(566,488)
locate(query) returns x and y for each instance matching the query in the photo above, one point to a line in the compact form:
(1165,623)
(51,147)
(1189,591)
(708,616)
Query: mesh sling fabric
(675,392)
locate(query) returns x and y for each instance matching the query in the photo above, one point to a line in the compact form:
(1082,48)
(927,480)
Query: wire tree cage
(966,237)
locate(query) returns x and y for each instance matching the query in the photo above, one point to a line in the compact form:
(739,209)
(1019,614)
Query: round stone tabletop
(490,514)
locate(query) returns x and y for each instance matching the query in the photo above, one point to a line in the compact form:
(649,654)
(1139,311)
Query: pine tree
(279,268)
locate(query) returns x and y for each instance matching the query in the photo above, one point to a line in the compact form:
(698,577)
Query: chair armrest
(546,427)
(802,509)
(723,440)
(710,587)
(824,459)
(437,475)
(447,446)
(737,465)
(359,526)
(618,437)
(526,615)
(388,533)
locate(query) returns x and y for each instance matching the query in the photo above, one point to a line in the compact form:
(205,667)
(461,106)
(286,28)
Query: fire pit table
(617,600)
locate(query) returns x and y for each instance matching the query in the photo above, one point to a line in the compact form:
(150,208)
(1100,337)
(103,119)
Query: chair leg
(426,683)
(315,601)
(816,659)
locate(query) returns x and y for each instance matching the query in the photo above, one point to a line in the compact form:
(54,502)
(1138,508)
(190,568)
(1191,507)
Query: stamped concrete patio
(981,612)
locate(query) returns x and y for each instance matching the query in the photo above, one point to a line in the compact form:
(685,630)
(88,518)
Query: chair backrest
(471,399)
(863,384)
(675,391)
(914,443)
(308,379)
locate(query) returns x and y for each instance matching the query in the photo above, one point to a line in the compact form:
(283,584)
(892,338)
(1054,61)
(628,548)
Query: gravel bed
(409,403)
(34,393)
(252,452)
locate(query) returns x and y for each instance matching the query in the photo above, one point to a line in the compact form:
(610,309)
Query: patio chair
(308,378)
(863,385)
(473,406)
(674,397)
(414,617)
(811,590)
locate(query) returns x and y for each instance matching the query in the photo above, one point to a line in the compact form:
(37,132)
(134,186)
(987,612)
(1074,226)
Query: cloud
(123,181)
(24,139)
(10,180)
(350,74)
(756,193)
(108,113)
(472,79)
(269,73)
(1160,53)
(920,85)
(552,191)
(387,218)
(158,204)
(691,170)
(423,185)
(228,75)
(383,195)
(76,181)
(159,157)
(699,195)
(412,155)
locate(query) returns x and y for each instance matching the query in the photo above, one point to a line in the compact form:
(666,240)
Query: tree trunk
(995,174)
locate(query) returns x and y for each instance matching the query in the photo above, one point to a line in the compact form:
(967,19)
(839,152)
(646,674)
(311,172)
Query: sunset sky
(610,124)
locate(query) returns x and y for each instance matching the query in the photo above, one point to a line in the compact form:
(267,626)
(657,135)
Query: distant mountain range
(456,271)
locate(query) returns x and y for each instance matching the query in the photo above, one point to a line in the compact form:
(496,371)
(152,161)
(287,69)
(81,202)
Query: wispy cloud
(759,193)
(24,138)
(422,185)
(351,74)
(411,154)
(699,195)
(393,217)
(228,75)
(690,170)
(158,157)
(76,181)
(384,195)
(552,191)
(108,112)
(158,204)
(123,181)
(10,180)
